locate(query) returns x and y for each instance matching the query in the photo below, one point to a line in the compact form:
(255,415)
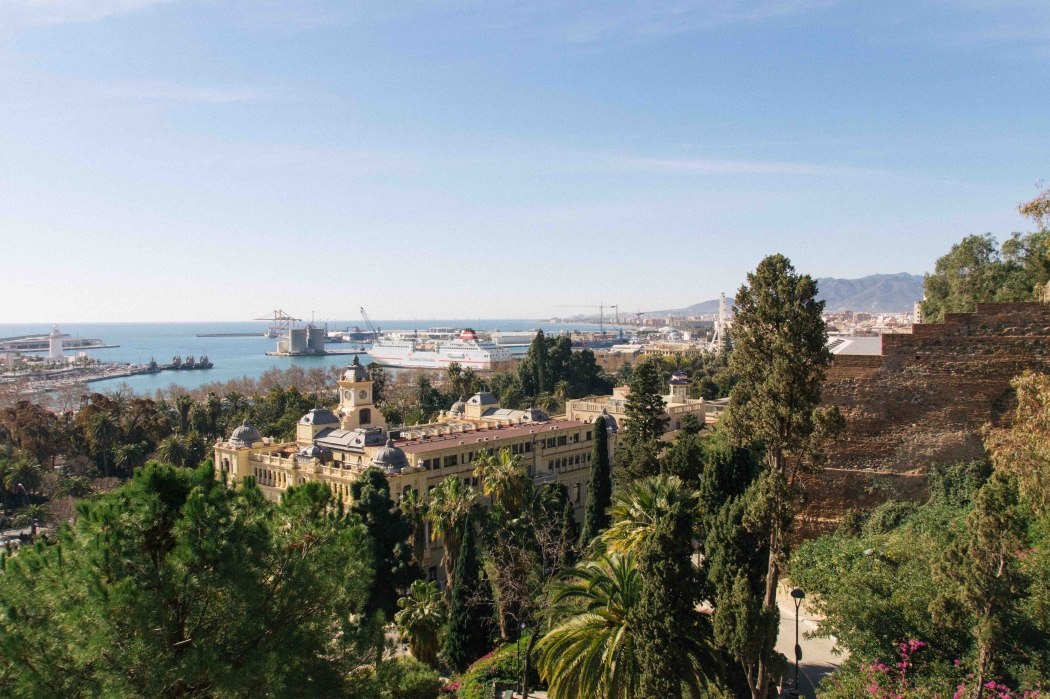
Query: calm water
(233,357)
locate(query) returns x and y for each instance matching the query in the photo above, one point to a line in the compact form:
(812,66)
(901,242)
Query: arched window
(366,416)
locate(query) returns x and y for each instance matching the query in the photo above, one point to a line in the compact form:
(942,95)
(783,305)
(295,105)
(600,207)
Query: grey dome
(610,421)
(245,435)
(319,416)
(458,407)
(679,379)
(355,372)
(483,398)
(390,458)
(315,452)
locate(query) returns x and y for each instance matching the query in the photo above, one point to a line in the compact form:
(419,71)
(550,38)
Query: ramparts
(924,401)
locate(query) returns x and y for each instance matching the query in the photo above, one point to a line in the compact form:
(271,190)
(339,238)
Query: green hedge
(501,665)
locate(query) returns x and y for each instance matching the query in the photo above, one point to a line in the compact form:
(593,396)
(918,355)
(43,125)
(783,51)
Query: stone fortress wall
(923,401)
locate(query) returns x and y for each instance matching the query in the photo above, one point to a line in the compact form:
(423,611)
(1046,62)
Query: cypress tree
(389,532)
(665,620)
(645,404)
(467,635)
(569,534)
(599,489)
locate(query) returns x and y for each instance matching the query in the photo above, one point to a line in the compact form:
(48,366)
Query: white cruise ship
(398,350)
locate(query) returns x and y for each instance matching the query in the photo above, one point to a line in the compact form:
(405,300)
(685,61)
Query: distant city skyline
(183,160)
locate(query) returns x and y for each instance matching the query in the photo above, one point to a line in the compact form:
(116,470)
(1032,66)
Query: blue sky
(215,159)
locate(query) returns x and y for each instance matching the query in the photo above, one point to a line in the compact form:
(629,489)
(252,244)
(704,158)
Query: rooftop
(483,435)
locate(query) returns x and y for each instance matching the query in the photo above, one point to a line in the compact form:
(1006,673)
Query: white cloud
(703,166)
(184,94)
(51,12)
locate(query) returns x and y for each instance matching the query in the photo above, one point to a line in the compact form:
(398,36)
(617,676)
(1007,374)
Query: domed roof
(355,372)
(679,379)
(315,452)
(610,421)
(245,435)
(483,398)
(319,416)
(390,458)
(458,407)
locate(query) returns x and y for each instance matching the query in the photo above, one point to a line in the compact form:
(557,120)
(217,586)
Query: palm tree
(547,403)
(183,404)
(103,431)
(23,474)
(505,479)
(637,506)
(213,406)
(128,457)
(451,505)
(415,510)
(30,516)
(421,619)
(73,487)
(592,652)
(562,390)
(173,450)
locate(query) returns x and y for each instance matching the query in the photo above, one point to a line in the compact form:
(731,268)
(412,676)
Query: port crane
(280,323)
(371,328)
(601,314)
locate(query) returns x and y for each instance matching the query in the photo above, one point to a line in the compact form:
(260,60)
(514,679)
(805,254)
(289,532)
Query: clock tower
(355,399)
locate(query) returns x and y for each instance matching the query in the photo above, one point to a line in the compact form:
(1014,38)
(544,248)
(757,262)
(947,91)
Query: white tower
(55,346)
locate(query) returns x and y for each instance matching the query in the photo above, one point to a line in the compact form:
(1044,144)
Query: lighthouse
(55,346)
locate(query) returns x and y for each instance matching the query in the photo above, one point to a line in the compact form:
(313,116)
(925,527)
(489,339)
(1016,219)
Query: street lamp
(797,595)
(517,656)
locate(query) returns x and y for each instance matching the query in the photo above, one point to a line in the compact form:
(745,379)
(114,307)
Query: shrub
(888,516)
(501,665)
(407,678)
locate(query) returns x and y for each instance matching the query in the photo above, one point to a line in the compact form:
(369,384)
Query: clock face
(362,395)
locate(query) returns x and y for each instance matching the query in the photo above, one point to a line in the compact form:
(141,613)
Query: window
(470,457)
(426,464)
(590,435)
(576,437)
(474,481)
(366,416)
(563,440)
(528,447)
(513,449)
(550,442)
(466,482)
(550,465)
(578,492)
(451,460)
(577,462)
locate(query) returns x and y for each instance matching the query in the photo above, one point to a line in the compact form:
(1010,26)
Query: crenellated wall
(923,401)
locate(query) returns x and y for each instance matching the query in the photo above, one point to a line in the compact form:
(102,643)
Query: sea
(235,357)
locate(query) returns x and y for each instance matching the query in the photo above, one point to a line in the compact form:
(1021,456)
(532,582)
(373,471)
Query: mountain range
(880,293)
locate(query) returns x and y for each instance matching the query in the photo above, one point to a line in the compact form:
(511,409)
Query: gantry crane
(373,329)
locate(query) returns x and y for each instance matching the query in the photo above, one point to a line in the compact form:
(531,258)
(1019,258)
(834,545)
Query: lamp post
(517,655)
(797,596)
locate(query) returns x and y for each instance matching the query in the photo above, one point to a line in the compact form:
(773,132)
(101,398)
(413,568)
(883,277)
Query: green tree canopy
(599,487)
(175,585)
(389,532)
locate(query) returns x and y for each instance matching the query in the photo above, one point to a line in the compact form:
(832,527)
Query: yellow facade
(554,451)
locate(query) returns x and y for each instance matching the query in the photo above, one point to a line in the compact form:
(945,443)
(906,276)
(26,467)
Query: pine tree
(599,489)
(389,532)
(780,356)
(467,635)
(666,621)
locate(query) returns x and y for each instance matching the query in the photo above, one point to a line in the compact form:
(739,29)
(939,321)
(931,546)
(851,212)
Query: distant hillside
(885,293)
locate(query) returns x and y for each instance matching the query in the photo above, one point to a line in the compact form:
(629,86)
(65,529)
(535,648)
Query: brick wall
(922,402)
